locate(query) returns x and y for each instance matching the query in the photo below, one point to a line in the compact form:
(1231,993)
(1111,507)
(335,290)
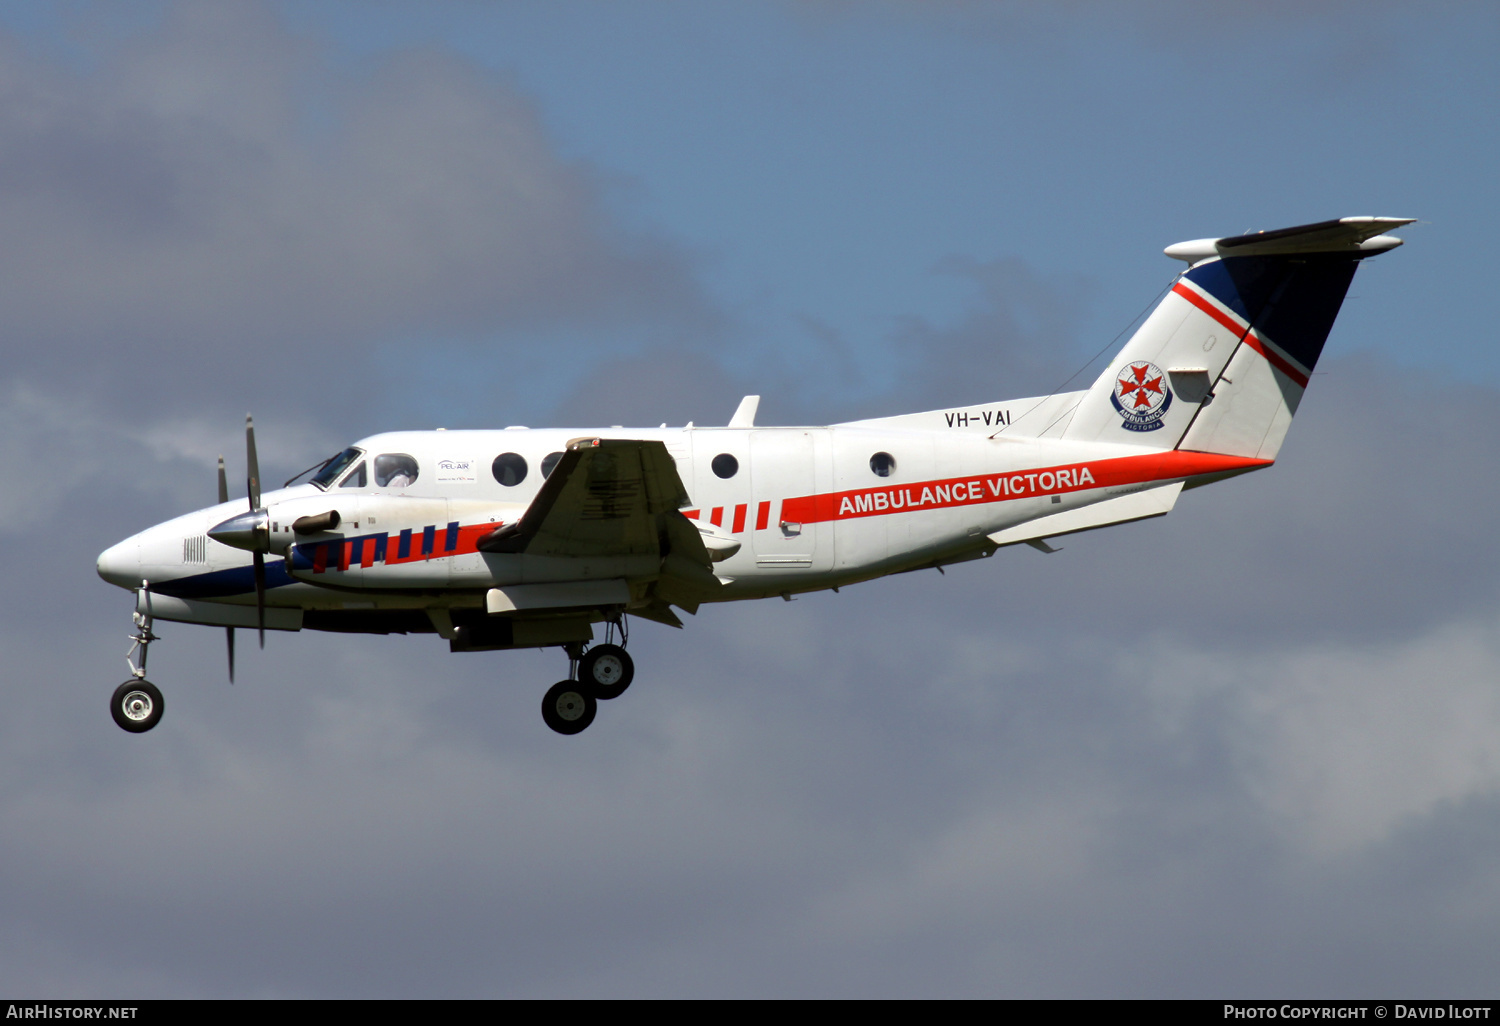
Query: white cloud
(59,450)
(1346,746)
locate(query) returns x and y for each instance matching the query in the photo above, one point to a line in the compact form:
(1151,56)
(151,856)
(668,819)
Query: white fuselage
(808,508)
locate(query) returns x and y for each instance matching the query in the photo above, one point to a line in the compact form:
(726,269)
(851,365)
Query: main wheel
(608,669)
(568,707)
(137,706)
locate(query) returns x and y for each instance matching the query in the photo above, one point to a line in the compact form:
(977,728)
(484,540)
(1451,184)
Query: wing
(617,497)
(603,498)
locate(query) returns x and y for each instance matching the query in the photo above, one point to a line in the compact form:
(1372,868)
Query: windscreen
(335,467)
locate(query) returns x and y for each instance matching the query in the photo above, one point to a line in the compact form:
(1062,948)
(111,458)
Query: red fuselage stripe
(985,488)
(1278,361)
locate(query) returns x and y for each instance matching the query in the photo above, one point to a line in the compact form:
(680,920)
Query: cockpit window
(395,470)
(336,466)
(355,478)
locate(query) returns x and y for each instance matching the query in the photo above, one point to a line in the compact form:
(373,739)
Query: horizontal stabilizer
(1352,235)
(1153,502)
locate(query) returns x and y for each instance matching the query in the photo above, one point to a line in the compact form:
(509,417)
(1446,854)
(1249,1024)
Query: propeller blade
(252,465)
(229,635)
(260,596)
(223,482)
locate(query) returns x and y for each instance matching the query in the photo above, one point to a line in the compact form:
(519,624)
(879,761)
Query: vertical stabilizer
(1221,363)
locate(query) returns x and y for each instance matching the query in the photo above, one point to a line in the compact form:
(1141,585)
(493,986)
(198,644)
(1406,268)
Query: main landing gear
(601,673)
(137,705)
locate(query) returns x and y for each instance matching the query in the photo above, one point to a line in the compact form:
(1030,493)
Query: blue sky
(848,150)
(818,165)
(1267,766)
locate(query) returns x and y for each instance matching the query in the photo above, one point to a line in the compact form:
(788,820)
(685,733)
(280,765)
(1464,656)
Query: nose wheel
(136,705)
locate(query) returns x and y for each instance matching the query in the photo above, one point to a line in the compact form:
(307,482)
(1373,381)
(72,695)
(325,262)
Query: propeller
(249,531)
(228,631)
(252,489)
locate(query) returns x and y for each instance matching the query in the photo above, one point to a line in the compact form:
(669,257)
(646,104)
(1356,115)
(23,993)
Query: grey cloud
(1017,337)
(217,201)
(674,384)
(1035,775)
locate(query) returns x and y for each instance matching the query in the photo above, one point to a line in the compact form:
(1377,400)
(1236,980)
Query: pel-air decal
(987,418)
(455,471)
(1141,396)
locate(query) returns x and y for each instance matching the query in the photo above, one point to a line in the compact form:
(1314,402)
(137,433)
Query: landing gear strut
(601,673)
(137,705)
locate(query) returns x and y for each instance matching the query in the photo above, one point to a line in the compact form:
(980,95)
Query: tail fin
(1221,363)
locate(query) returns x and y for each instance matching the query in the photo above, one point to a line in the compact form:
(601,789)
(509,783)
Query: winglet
(745,416)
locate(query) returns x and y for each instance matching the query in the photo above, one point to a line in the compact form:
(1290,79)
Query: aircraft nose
(120,564)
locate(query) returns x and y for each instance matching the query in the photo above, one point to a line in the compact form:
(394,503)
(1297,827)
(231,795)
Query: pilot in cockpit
(395,470)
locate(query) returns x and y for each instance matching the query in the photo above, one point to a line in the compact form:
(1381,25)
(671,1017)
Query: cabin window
(509,469)
(725,465)
(356,478)
(882,464)
(395,470)
(336,466)
(549,463)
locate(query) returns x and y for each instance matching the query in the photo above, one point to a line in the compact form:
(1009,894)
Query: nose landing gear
(137,705)
(600,674)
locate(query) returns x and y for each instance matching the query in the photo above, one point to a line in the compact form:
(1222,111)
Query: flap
(511,598)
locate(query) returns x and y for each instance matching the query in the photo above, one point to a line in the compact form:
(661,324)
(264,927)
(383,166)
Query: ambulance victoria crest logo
(1141,396)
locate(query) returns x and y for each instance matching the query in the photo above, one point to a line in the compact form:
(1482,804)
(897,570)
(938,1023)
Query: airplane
(522,538)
